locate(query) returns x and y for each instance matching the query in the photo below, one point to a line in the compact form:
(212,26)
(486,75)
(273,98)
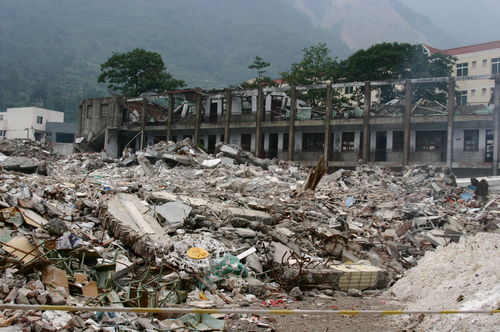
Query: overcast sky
(467,21)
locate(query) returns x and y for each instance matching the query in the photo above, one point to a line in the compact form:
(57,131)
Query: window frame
(313,142)
(495,66)
(463,69)
(347,144)
(39,119)
(471,143)
(429,140)
(462,98)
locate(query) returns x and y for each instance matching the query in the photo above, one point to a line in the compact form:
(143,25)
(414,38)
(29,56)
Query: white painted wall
(21,122)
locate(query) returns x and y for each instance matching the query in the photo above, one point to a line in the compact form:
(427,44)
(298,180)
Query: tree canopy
(259,65)
(317,67)
(136,72)
(398,61)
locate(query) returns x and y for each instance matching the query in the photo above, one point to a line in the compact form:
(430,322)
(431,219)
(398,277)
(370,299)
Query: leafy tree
(398,61)
(259,65)
(316,67)
(136,72)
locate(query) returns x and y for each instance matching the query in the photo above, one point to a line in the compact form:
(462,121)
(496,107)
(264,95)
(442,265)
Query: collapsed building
(274,123)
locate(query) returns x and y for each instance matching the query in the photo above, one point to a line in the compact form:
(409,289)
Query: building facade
(273,123)
(32,123)
(473,60)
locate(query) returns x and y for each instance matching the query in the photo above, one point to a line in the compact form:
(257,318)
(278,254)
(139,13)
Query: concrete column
(143,122)
(199,105)
(291,125)
(328,127)
(227,118)
(171,106)
(451,114)
(366,120)
(258,122)
(406,119)
(496,126)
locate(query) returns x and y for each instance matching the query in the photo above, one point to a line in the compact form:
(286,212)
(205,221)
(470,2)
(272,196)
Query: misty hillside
(51,50)
(468,22)
(362,23)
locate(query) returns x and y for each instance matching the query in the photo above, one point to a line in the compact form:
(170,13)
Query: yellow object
(197,253)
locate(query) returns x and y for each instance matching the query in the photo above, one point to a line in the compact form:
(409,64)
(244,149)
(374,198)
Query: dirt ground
(322,323)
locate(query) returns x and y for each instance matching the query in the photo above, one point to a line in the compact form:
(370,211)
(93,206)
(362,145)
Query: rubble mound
(174,225)
(460,276)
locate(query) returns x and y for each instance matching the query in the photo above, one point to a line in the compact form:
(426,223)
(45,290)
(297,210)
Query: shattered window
(348,141)
(397,140)
(463,69)
(312,141)
(104,110)
(471,140)
(429,140)
(89,111)
(246,105)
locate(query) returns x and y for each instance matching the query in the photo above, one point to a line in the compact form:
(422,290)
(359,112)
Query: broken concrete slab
(174,213)
(250,215)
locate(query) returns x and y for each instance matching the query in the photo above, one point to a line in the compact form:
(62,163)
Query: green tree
(317,67)
(136,72)
(259,65)
(398,61)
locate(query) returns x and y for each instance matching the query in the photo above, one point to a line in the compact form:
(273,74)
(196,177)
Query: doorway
(273,146)
(381,146)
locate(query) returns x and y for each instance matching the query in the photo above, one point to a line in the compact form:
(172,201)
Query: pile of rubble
(173,225)
(25,156)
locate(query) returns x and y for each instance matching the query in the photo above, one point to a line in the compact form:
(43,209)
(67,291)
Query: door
(246,141)
(273,146)
(213,113)
(381,146)
(211,143)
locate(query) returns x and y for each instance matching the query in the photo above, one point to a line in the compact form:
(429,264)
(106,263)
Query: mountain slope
(468,22)
(51,49)
(362,23)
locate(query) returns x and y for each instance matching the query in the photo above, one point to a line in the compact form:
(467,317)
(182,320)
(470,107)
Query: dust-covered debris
(172,225)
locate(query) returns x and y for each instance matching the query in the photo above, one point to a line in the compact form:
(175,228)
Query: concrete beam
(451,114)
(199,105)
(258,123)
(143,122)
(406,123)
(328,126)
(291,124)
(366,120)
(227,118)
(496,126)
(171,106)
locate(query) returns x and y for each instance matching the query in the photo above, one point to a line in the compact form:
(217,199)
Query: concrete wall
(478,91)
(21,122)
(63,148)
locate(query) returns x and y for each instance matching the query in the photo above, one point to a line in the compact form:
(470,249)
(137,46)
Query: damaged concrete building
(274,122)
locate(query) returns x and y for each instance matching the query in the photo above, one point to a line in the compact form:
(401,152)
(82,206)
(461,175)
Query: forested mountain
(51,50)
(362,23)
